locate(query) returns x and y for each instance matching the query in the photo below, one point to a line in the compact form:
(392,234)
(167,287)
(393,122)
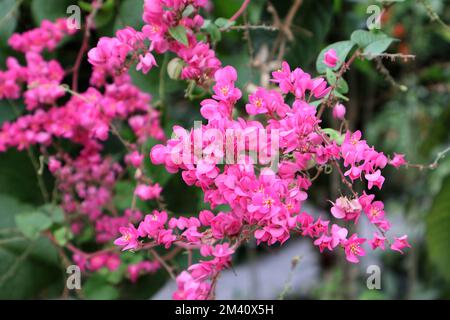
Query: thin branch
(440,155)
(90,23)
(240,11)
(168,268)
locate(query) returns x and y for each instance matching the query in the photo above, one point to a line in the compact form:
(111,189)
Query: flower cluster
(85,179)
(161,17)
(263,202)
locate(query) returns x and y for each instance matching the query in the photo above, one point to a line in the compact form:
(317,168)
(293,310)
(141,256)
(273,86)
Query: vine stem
(90,22)
(240,11)
(432,165)
(344,68)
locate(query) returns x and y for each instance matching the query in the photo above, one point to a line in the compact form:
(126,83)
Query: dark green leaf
(8,19)
(438,226)
(33,223)
(49,9)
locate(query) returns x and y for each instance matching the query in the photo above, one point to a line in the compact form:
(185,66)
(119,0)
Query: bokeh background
(404,110)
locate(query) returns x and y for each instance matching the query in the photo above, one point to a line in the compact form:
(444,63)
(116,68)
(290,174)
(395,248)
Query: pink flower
(225,224)
(353,248)
(201,271)
(324,242)
(398,160)
(347,209)
(191,289)
(330,58)
(97,262)
(148,192)
(135,159)
(400,243)
(152,224)
(222,251)
(129,238)
(146,62)
(113,262)
(375,211)
(374,179)
(377,241)
(257,103)
(339,111)
(54,165)
(338,235)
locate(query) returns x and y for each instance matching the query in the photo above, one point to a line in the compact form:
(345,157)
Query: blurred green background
(413,121)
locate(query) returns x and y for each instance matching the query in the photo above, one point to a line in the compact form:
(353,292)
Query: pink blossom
(135,159)
(330,58)
(400,243)
(129,238)
(347,209)
(338,235)
(378,241)
(398,160)
(353,248)
(339,111)
(146,62)
(148,192)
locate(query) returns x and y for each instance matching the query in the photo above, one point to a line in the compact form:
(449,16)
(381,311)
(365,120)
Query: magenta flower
(146,62)
(148,192)
(339,111)
(330,58)
(377,241)
(338,235)
(353,248)
(398,160)
(400,243)
(129,238)
(347,209)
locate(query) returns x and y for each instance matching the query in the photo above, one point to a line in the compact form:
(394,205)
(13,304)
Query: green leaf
(174,68)
(340,84)
(97,288)
(33,223)
(377,47)
(63,235)
(342,49)
(105,14)
(49,9)
(38,270)
(334,135)
(213,30)
(86,6)
(8,19)
(129,14)
(224,23)
(55,212)
(188,11)
(179,34)
(438,226)
(372,43)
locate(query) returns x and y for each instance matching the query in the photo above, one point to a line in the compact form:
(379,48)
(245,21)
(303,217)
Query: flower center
(268,202)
